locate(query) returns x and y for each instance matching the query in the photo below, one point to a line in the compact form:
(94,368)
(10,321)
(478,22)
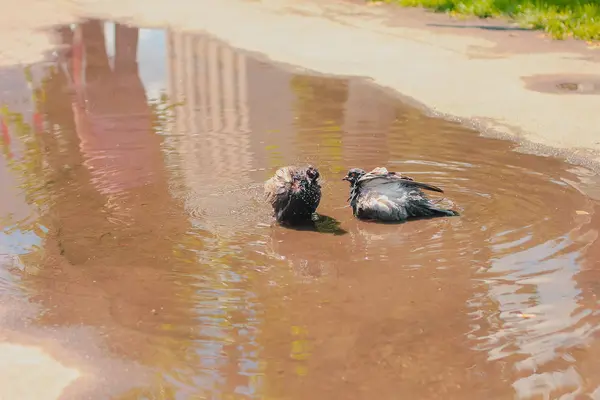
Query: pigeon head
(312,173)
(304,179)
(354,175)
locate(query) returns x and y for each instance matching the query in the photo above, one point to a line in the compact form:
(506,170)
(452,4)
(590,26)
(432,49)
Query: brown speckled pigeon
(294,193)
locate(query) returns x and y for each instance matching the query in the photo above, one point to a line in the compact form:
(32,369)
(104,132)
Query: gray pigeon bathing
(388,196)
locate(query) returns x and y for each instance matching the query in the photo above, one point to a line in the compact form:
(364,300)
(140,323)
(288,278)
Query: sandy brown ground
(478,73)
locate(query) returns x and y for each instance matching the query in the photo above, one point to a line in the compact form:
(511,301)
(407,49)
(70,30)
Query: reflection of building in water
(272,117)
(221,90)
(211,81)
(151,57)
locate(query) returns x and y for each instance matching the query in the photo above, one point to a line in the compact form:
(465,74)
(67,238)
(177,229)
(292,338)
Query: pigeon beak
(345,178)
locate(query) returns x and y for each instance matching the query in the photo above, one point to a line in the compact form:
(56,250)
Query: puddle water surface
(136,246)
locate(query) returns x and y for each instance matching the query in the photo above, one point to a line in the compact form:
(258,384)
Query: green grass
(559,18)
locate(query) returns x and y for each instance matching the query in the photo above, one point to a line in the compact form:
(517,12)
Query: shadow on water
(135,244)
(320,224)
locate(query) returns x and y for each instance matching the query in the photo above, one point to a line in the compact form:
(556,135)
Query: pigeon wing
(278,186)
(392,183)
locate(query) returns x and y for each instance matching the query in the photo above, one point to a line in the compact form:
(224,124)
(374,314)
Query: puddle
(136,213)
(559,84)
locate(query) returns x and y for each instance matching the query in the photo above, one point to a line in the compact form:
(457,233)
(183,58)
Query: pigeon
(294,193)
(389,196)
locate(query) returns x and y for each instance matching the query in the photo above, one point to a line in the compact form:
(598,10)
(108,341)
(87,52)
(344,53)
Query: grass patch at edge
(559,18)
